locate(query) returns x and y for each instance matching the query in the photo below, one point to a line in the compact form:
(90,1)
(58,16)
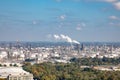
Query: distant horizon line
(67,42)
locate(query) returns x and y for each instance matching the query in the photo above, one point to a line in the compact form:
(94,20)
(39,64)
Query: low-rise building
(15,73)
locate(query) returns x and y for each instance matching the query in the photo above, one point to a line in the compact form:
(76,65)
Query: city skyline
(40,20)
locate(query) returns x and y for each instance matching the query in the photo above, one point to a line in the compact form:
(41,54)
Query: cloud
(113,17)
(111,1)
(114,24)
(62,17)
(34,22)
(78,28)
(80,25)
(83,24)
(64,0)
(117,5)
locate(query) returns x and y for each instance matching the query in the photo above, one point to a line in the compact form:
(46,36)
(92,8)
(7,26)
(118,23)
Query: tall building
(78,48)
(82,47)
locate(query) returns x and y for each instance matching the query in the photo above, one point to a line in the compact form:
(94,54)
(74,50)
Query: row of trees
(72,71)
(96,61)
(4,65)
(3,79)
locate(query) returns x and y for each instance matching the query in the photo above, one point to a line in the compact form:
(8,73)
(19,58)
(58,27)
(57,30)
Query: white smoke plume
(56,36)
(65,38)
(74,41)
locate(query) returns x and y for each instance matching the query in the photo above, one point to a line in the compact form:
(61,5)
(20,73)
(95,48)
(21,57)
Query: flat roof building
(15,73)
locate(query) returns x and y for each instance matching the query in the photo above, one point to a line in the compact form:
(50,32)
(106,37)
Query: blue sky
(40,20)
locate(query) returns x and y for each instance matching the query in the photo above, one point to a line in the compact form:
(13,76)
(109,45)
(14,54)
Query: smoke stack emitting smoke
(65,38)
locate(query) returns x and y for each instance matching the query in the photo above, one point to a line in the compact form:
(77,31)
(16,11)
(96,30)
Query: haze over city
(59,39)
(41,20)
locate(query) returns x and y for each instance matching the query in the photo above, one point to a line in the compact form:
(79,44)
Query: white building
(15,73)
